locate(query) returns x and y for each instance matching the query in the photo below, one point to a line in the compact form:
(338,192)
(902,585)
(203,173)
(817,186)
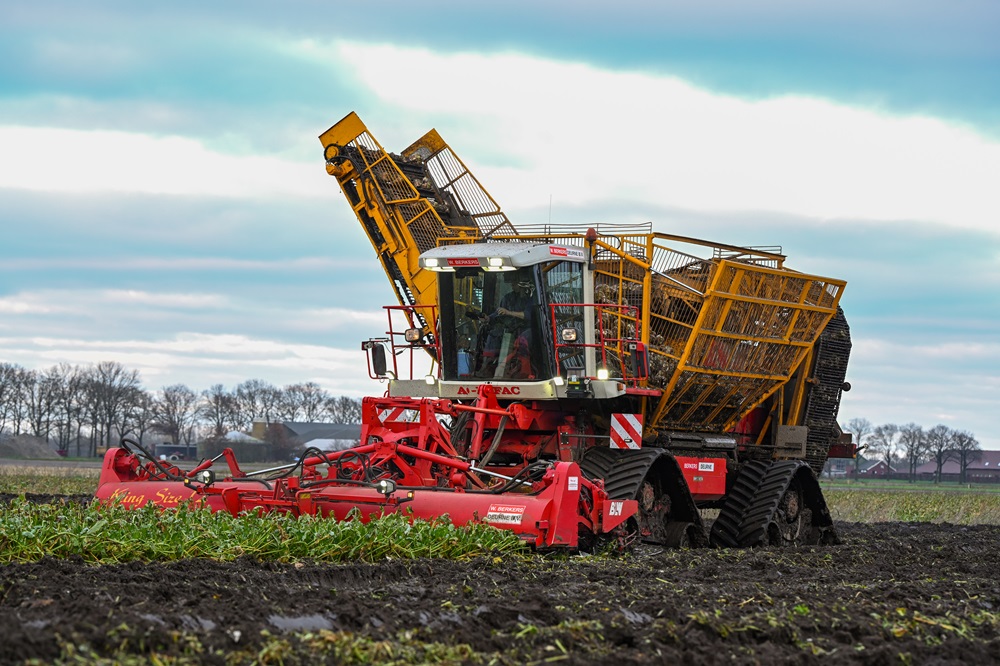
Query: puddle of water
(313,622)
(197,623)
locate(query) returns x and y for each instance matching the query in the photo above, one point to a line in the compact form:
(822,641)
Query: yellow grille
(745,338)
(725,326)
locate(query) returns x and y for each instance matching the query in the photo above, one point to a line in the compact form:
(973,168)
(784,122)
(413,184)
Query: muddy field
(891,593)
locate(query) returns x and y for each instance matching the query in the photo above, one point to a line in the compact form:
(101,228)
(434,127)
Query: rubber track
(624,471)
(726,528)
(757,518)
(595,465)
(833,350)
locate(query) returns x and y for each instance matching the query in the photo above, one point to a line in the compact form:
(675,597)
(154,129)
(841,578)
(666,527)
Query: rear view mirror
(378,360)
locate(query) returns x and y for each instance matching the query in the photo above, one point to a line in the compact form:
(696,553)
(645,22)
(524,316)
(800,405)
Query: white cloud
(578,134)
(585,134)
(181,264)
(201,360)
(339,317)
(38,314)
(22,305)
(66,160)
(871,350)
(135,298)
(74,303)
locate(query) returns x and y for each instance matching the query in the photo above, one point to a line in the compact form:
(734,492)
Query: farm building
(984,468)
(874,468)
(325,436)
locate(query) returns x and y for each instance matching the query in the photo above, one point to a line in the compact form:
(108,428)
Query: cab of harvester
(520,316)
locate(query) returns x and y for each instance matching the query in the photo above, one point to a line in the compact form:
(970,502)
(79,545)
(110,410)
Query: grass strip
(925,506)
(17,480)
(113,534)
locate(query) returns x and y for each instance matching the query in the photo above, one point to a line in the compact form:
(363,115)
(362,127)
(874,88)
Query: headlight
(413,335)
(568,335)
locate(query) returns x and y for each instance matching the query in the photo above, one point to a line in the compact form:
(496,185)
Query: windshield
(498,325)
(501,324)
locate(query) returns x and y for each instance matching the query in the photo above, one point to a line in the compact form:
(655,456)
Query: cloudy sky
(163,201)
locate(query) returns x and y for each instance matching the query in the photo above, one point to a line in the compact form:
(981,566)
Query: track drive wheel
(791,520)
(654,510)
(683,535)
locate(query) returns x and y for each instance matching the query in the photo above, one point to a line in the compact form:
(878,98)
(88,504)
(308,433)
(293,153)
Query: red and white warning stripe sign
(626,431)
(396,414)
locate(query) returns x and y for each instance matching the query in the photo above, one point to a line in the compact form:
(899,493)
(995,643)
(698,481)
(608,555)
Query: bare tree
(174,412)
(14,394)
(914,444)
(8,389)
(78,400)
(112,388)
(306,401)
(94,404)
(885,442)
(65,404)
(344,409)
(939,447)
(966,450)
(142,415)
(218,409)
(288,407)
(862,429)
(39,392)
(255,399)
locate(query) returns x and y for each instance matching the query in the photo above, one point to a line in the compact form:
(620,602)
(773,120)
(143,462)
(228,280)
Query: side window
(564,288)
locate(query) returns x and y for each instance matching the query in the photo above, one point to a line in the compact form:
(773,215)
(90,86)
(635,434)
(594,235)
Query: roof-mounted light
(498,264)
(436,264)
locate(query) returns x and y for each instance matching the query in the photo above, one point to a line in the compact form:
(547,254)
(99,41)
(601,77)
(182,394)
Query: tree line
(90,405)
(81,408)
(911,445)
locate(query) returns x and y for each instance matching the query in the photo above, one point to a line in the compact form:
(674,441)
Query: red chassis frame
(405,466)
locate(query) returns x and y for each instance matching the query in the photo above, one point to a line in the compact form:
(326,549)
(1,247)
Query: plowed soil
(890,594)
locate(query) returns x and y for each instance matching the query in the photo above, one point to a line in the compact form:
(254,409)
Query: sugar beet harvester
(571,385)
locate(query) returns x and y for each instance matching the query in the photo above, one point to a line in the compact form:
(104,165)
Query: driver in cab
(517,302)
(506,350)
